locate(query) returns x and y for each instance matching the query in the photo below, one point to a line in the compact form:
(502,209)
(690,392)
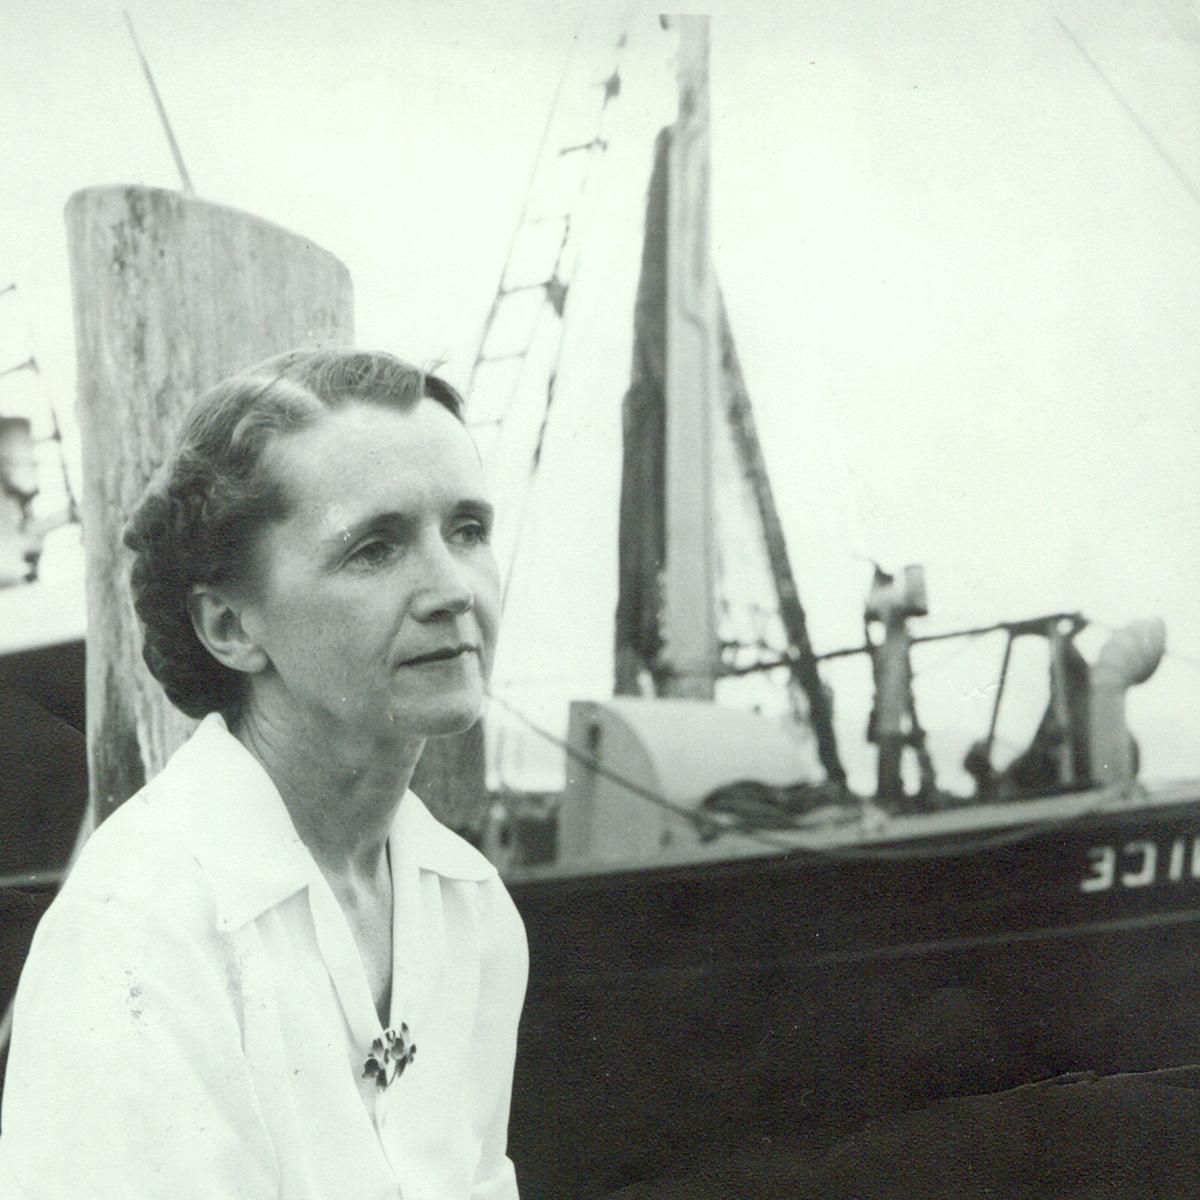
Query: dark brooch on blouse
(389,1056)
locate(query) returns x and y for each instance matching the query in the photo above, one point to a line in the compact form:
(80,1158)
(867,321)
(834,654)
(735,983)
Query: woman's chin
(439,720)
(451,725)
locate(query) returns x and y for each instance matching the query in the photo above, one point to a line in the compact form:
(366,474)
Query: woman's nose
(444,588)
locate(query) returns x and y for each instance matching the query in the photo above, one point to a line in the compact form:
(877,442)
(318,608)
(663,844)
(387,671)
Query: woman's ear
(217,620)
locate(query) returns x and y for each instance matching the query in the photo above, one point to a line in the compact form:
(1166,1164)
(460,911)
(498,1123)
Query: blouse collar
(232,819)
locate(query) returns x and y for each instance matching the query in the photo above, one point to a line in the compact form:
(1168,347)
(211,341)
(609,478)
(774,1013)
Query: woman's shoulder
(210,823)
(138,863)
(135,907)
(142,859)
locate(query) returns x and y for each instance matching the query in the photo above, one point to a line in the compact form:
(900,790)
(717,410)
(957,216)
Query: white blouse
(194,1017)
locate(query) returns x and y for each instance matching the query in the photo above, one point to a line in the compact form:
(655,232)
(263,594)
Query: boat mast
(691,652)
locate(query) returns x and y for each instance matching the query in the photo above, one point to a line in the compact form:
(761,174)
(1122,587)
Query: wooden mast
(171,294)
(685,379)
(690,651)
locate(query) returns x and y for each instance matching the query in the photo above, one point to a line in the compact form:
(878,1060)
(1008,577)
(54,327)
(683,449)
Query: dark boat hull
(692,1012)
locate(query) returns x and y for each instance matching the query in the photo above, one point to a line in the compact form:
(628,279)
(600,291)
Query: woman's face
(376,600)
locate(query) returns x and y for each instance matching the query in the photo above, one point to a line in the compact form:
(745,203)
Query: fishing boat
(734,950)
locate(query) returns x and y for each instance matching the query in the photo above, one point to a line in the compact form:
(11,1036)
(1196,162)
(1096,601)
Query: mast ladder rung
(596,143)
(30,364)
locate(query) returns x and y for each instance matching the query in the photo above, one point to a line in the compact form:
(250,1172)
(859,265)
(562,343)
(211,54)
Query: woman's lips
(446,654)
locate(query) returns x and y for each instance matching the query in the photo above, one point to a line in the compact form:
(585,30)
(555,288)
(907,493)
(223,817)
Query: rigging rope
(176,154)
(1168,159)
(522,215)
(554,287)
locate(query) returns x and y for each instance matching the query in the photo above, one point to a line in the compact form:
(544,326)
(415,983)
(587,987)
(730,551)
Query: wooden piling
(171,294)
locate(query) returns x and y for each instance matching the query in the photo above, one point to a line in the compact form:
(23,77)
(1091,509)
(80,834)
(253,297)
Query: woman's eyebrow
(474,506)
(395,522)
(380,522)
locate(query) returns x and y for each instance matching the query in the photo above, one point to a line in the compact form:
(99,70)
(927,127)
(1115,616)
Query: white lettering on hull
(1139,864)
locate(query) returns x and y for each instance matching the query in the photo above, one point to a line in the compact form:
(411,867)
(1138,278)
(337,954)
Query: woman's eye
(473,533)
(371,554)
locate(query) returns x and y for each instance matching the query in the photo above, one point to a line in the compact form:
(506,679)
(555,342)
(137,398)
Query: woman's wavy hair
(199,519)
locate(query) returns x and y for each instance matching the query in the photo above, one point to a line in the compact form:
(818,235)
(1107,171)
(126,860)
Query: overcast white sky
(962,274)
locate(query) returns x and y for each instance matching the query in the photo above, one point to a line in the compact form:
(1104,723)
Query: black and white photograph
(599,603)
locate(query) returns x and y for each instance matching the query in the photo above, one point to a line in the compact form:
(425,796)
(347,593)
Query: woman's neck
(342,794)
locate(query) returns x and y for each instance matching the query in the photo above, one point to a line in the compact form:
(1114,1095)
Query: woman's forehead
(364,456)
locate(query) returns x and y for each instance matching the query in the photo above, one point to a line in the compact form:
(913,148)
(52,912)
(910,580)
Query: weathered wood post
(171,294)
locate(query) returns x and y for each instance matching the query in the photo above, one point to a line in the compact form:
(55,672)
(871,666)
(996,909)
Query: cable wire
(709,825)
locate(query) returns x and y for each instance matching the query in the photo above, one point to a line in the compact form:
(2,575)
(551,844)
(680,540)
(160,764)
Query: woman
(272,972)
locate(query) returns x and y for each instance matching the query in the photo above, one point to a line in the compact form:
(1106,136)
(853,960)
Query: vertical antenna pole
(184,177)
